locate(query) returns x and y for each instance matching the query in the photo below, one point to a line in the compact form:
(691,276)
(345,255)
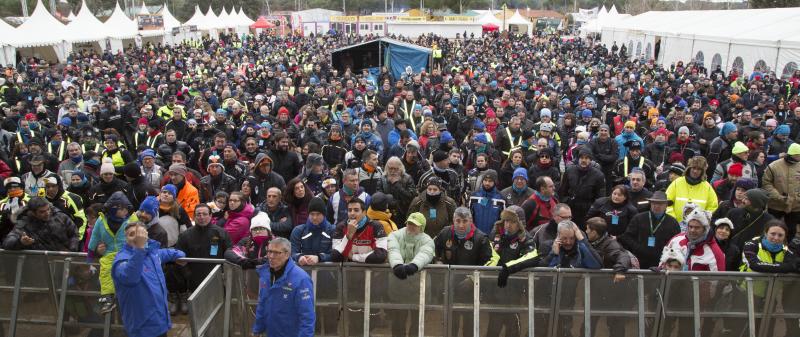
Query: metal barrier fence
(54,294)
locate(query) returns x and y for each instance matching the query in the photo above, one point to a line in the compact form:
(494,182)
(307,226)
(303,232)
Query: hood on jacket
(118,199)
(758,198)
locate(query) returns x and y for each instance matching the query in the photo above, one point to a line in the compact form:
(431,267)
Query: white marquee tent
(745,39)
(7,49)
(243,19)
(604,18)
(520,23)
(86,27)
(42,35)
(488,17)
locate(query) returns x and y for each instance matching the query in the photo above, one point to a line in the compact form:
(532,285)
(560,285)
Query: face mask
(433,199)
(260,239)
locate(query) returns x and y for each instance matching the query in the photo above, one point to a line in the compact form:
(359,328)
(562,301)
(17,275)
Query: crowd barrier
(55,294)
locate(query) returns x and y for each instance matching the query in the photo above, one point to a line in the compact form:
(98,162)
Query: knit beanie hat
(520,172)
(261,220)
(107,167)
(758,198)
(727,128)
(739,147)
(172,189)
(701,216)
(132,170)
(735,169)
(782,130)
(316,205)
(150,206)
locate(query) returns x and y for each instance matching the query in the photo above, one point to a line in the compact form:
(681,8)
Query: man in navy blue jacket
(139,280)
(312,241)
(285,295)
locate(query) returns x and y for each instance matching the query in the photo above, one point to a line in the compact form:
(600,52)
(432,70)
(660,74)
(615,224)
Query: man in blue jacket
(312,242)
(139,280)
(285,295)
(486,203)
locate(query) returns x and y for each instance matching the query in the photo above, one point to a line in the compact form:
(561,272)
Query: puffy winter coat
(310,239)
(782,183)
(705,256)
(238,224)
(285,306)
(616,216)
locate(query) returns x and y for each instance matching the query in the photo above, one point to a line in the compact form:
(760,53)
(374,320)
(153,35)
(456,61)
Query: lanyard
(653,230)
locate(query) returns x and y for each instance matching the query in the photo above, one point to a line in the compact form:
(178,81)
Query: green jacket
(417,249)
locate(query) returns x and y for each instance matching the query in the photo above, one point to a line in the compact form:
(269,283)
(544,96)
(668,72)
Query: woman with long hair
(297,198)
(238,216)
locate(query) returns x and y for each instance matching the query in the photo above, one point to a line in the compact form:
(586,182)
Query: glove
(410,269)
(399,271)
(502,279)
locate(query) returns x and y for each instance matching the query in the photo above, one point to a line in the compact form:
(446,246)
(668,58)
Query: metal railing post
(226,321)
(448,303)
(367,299)
(62,298)
(476,303)
(556,304)
(587,305)
(12,326)
(531,305)
(696,305)
(751,314)
(770,301)
(641,309)
(422,285)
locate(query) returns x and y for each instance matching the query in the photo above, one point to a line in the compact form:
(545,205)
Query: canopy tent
(71,16)
(488,17)
(489,27)
(169,20)
(243,19)
(373,55)
(212,20)
(225,19)
(262,23)
(41,35)
(120,26)
(520,24)
(743,39)
(143,10)
(86,27)
(603,19)
(170,23)
(7,50)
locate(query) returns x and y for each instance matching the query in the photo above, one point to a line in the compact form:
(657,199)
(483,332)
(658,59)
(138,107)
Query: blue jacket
(308,239)
(286,307)
(141,289)
(486,208)
(622,138)
(585,257)
(394,136)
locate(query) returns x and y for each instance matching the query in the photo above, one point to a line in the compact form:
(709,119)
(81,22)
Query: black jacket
(210,186)
(747,225)
(286,164)
(474,250)
(616,216)
(605,153)
(202,242)
(612,254)
(636,237)
(57,234)
(102,191)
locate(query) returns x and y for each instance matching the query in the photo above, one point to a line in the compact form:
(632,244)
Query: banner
(459,18)
(150,22)
(412,19)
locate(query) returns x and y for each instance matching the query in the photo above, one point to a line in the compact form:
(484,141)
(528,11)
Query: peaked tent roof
(224,19)
(262,23)
(86,27)
(244,20)
(212,20)
(488,17)
(120,26)
(169,20)
(517,19)
(197,19)
(71,16)
(613,10)
(40,29)
(143,10)
(387,40)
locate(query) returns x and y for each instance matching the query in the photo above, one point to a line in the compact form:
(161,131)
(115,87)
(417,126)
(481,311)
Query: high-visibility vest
(116,158)
(760,287)
(19,135)
(625,164)
(61,147)
(511,142)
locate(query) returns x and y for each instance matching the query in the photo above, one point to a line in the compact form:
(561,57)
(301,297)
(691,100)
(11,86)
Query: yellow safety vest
(19,135)
(116,158)
(96,148)
(511,141)
(760,287)
(79,213)
(61,147)
(625,164)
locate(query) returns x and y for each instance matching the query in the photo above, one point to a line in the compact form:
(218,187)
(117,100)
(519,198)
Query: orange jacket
(189,197)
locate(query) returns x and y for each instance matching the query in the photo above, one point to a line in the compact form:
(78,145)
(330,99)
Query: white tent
(745,40)
(120,26)
(603,19)
(86,27)
(42,35)
(8,54)
(244,20)
(143,10)
(171,22)
(520,23)
(212,20)
(71,16)
(488,17)
(613,10)
(197,19)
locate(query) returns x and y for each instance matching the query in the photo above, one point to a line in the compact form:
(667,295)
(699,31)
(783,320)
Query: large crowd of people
(508,151)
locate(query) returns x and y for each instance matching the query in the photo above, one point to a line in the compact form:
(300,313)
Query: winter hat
(261,220)
(513,213)
(739,147)
(446,137)
(701,216)
(328,182)
(132,170)
(478,125)
(586,113)
(684,129)
(520,172)
(697,162)
(547,127)
(727,128)
(439,155)
(142,121)
(671,254)
(178,169)
(604,126)
(172,189)
(723,222)
(283,111)
(745,184)
(491,174)
(794,149)
(214,160)
(687,208)
(782,130)
(147,153)
(676,157)
(735,169)
(545,112)
(316,205)
(66,121)
(380,201)
(107,167)
(758,198)
(418,219)
(585,151)
(150,206)
(412,143)
(12,182)
(630,123)
(774,123)
(677,168)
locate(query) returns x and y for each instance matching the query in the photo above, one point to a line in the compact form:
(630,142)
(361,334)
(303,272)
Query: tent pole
(728,60)
(380,54)
(777,58)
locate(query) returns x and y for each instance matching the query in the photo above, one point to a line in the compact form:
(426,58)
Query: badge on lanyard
(615,219)
(651,241)
(432,213)
(214,250)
